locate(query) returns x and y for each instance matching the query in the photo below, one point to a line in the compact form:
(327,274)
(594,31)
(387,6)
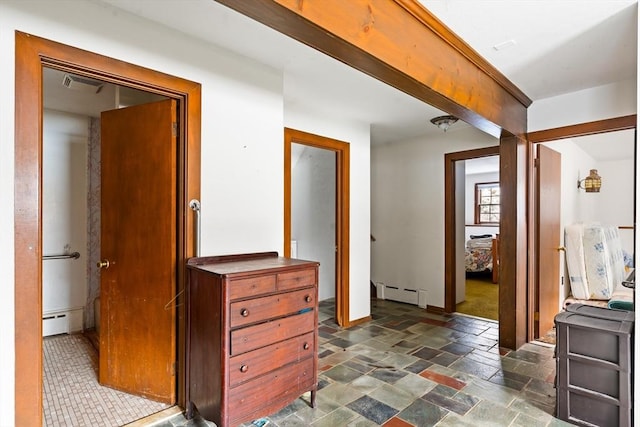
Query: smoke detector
(81,84)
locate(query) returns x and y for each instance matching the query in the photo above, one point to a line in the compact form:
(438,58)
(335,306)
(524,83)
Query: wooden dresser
(251,340)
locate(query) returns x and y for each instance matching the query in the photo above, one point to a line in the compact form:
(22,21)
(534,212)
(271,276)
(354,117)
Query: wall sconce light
(444,122)
(592,183)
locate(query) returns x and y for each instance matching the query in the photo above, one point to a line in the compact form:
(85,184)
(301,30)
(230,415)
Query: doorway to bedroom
(472,232)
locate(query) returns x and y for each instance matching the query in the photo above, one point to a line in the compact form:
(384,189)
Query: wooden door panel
(548,180)
(138,238)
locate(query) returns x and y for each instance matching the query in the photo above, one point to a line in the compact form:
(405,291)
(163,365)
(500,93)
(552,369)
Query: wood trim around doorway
(342,210)
(549,135)
(31,55)
(450,218)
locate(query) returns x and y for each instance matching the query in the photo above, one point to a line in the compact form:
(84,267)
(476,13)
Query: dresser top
(246,263)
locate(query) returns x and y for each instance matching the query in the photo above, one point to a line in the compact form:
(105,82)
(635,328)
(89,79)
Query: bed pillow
(481,242)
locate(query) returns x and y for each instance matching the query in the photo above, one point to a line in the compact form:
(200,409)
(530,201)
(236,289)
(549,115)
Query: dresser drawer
(243,288)
(276,385)
(263,334)
(296,279)
(265,308)
(249,365)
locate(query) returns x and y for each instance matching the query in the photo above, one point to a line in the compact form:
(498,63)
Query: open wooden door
(138,250)
(548,240)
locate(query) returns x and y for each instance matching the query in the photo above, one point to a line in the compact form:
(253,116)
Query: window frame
(478,186)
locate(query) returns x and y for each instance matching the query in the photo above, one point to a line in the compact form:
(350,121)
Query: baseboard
(435,310)
(357,322)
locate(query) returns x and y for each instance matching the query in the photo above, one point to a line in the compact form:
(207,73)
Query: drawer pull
(244,312)
(244,368)
(306,346)
(307,298)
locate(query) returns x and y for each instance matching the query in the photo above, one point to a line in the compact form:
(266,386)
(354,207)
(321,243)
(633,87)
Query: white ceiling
(559,46)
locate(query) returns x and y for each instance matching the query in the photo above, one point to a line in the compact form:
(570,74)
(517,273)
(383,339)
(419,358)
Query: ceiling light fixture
(444,122)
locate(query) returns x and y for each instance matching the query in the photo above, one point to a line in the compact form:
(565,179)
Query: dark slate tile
(527,356)
(339,342)
(406,344)
(474,368)
(457,348)
(388,375)
(444,390)
(426,353)
(399,326)
(459,408)
(322,383)
(422,413)
(325,353)
(366,359)
(360,367)
(444,359)
(342,374)
(466,399)
(418,366)
(507,382)
(372,409)
(477,342)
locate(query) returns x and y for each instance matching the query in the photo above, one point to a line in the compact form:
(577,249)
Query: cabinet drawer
(263,334)
(242,288)
(249,365)
(276,385)
(261,309)
(296,279)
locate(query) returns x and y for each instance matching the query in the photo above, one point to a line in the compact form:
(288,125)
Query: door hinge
(536,162)
(173,369)
(536,316)
(174,129)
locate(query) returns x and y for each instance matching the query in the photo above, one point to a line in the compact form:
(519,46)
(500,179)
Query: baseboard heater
(395,293)
(62,322)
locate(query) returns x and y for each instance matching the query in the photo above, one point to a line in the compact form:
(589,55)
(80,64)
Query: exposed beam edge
(459,86)
(445,33)
(583,129)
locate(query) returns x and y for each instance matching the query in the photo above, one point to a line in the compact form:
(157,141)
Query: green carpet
(481,298)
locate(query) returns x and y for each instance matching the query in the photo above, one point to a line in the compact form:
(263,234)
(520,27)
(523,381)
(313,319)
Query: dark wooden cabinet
(252,338)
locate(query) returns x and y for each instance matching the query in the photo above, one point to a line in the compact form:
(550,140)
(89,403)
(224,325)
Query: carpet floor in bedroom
(481,297)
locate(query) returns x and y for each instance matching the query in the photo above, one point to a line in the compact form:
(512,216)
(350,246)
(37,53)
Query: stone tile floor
(408,368)
(411,368)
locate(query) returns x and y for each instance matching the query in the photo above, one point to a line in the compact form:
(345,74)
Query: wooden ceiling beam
(401,43)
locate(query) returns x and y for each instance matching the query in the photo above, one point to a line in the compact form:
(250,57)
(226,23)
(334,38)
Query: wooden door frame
(549,135)
(450,223)
(31,55)
(341,149)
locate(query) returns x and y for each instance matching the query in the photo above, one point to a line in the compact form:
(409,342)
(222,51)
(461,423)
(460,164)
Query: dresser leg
(313,398)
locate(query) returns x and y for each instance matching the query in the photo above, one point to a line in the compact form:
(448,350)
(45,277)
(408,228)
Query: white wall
(313,212)
(597,103)
(242,140)
(64,211)
(358,137)
(407,209)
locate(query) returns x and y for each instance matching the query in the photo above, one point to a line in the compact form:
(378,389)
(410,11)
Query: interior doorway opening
(72,300)
(471,247)
(33,55)
(336,152)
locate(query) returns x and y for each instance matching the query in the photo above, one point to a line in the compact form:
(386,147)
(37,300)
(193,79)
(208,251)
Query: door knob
(103,264)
